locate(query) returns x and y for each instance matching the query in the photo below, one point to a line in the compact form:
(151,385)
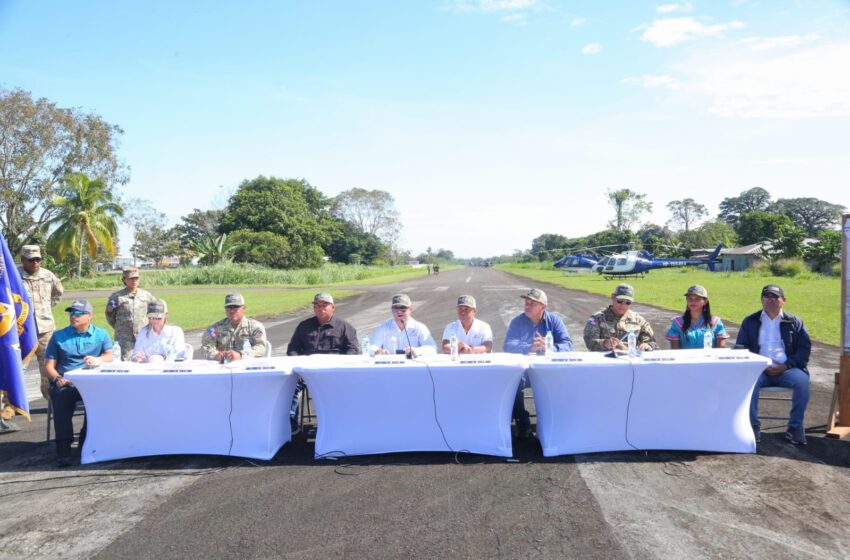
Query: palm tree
(86,218)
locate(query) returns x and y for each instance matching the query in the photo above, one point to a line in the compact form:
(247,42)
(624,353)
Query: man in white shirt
(782,337)
(473,335)
(402,334)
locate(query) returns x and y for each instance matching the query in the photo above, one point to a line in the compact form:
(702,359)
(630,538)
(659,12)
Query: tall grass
(230,274)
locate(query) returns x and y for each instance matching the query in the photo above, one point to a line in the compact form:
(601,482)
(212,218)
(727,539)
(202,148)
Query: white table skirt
(678,399)
(194,407)
(368,408)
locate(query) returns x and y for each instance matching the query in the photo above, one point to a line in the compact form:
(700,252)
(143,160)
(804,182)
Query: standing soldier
(45,290)
(225,340)
(127,311)
(608,328)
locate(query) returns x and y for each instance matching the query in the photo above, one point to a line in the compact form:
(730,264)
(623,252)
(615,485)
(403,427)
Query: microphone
(410,355)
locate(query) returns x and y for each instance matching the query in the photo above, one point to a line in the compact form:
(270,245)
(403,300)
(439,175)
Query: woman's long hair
(706,315)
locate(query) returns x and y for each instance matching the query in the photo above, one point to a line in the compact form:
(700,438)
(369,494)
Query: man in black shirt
(323,333)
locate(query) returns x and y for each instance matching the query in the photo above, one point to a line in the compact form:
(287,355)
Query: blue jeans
(64,401)
(519,413)
(795,379)
(293,408)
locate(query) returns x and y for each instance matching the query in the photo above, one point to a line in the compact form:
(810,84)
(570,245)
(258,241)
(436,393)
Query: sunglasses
(624,302)
(77,313)
(769,296)
(400,308)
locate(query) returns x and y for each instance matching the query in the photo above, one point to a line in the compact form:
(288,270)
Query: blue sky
(489,121)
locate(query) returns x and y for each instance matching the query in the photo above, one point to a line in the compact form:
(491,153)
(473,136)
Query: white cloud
(591,48)
(671,8)
(651,81)
(519,19)
(673,31)
(783,41)
(492,5)
(576,21)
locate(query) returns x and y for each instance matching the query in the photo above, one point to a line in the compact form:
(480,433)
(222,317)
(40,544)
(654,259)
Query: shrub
(791,268)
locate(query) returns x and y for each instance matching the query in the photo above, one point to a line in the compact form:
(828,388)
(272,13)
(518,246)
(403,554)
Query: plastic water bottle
(550,344)
(364,348)
(707,342)
(116,352)
(632,340)
(453,347)
(393,345)
(247,351)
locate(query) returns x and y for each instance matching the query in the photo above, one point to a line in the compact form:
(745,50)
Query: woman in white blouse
(159,342)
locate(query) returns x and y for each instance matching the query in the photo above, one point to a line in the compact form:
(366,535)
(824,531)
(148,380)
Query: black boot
(63,452)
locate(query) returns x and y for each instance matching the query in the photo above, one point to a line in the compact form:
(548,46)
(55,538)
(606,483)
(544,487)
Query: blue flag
(18,338)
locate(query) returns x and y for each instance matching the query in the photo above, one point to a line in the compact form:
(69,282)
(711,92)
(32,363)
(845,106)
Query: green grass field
(734,295)
(192,311)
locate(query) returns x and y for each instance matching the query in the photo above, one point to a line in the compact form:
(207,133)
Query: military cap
(157,309)
(697,290)
(80,305)
(468,301)
(234,300)
(401,299)
(130,272)
(535,294)
(31,251)
(624,291)
(323,296)
(772,289)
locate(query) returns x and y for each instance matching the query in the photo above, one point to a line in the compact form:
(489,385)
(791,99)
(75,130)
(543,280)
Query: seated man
(608,328)
(323,333)
(224,341)
(782,337)
(78,345)
(473,335)
(402,334)
(527,335)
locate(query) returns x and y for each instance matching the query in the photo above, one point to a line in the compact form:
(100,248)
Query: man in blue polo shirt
(527,335)
(79,345)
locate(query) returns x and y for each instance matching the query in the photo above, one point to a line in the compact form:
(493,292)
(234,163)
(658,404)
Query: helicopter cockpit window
(622,260)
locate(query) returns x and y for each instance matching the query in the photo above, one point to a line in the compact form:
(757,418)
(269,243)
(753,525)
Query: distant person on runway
(402,334)
(474,335)
(608,328)
(323,333)
(527,335)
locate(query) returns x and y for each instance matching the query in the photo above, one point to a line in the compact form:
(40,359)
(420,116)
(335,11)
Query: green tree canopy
(751,200)
(372,212)
(352,241)
(198,225)
(826,252)
(40,144)
(810,214)
(628,206)
(85,216)
(261,247)
(758,226)
(710,234)
(291,208)
(686,213)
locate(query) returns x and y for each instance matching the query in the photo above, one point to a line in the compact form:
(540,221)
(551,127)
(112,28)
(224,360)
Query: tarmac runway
(783,502)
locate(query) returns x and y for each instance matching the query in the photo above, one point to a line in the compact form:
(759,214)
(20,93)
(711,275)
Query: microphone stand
(409,355)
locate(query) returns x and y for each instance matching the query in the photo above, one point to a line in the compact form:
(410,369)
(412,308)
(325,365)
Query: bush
(791,268)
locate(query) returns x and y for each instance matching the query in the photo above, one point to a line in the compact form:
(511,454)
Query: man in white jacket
(403,334)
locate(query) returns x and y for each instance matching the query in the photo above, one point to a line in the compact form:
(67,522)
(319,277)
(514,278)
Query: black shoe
(7,427)
(797,435)
(63,453)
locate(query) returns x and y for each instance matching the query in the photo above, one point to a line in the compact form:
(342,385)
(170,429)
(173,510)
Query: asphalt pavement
(784,501)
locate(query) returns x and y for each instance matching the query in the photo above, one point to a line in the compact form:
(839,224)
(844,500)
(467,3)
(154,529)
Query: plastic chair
(775,390)
(188,352)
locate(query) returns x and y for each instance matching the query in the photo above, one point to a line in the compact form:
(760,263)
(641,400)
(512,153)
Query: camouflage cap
(31,251)
(323,296)
(535,294)
(624,291)
(401,299)
(157,309)
(130,272)
(772,289)
(234,300)
(468,301)
(80,305)
(697,290)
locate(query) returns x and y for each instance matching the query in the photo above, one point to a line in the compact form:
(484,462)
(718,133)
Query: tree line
(61,186)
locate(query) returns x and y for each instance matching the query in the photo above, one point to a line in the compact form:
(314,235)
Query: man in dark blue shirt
(527,335)
(79,345)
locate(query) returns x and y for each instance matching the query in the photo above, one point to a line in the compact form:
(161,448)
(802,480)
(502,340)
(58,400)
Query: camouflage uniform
(225,336)
(128,314)
(45,290)
(604,324)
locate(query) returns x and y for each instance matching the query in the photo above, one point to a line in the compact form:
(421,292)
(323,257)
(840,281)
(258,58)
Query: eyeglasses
(623,302)
(36,259)
(156,318)
(769,296)
(77,313)
(400,308)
